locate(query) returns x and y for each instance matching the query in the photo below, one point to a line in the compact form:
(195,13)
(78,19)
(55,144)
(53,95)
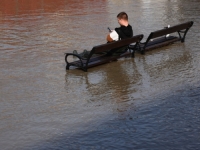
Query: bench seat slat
(160,42)
(101,60)
(108,59)
(91,59)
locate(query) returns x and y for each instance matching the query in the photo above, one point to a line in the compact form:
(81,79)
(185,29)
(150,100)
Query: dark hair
(122,15)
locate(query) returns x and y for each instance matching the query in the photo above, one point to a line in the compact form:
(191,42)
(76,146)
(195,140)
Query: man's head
(122,18)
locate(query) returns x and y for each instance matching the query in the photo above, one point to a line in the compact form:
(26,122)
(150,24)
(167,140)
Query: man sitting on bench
(123,32)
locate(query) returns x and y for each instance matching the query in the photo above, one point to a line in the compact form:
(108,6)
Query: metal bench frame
(181,29)
(85,63)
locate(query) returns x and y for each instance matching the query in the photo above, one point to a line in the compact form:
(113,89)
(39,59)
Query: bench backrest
(169,30)
(117,44)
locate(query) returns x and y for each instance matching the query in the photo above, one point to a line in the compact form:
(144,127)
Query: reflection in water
(113,78)
(167,63)
(142,102)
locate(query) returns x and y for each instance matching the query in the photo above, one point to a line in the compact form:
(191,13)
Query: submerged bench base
(96,61)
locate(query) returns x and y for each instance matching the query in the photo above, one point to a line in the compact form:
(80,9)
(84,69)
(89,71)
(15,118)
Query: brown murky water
(147,102)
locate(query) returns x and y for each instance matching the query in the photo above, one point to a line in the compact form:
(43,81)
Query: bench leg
(84,69)
(142,52)
(182,38)
(133,54)
(67,66)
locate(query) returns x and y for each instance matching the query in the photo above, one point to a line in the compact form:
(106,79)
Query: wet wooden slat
(102,60)
(160,42)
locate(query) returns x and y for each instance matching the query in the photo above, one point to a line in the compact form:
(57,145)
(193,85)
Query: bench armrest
(72,54)
(81,58)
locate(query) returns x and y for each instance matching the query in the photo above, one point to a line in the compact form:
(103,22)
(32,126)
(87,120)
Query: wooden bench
(85,63)
(158,38)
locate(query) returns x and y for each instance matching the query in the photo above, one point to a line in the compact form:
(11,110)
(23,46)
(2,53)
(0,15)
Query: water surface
(147,102)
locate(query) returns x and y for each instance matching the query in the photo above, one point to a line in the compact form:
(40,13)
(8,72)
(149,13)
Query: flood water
(151,101)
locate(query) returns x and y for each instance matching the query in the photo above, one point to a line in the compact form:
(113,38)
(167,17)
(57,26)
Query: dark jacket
(124,32)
